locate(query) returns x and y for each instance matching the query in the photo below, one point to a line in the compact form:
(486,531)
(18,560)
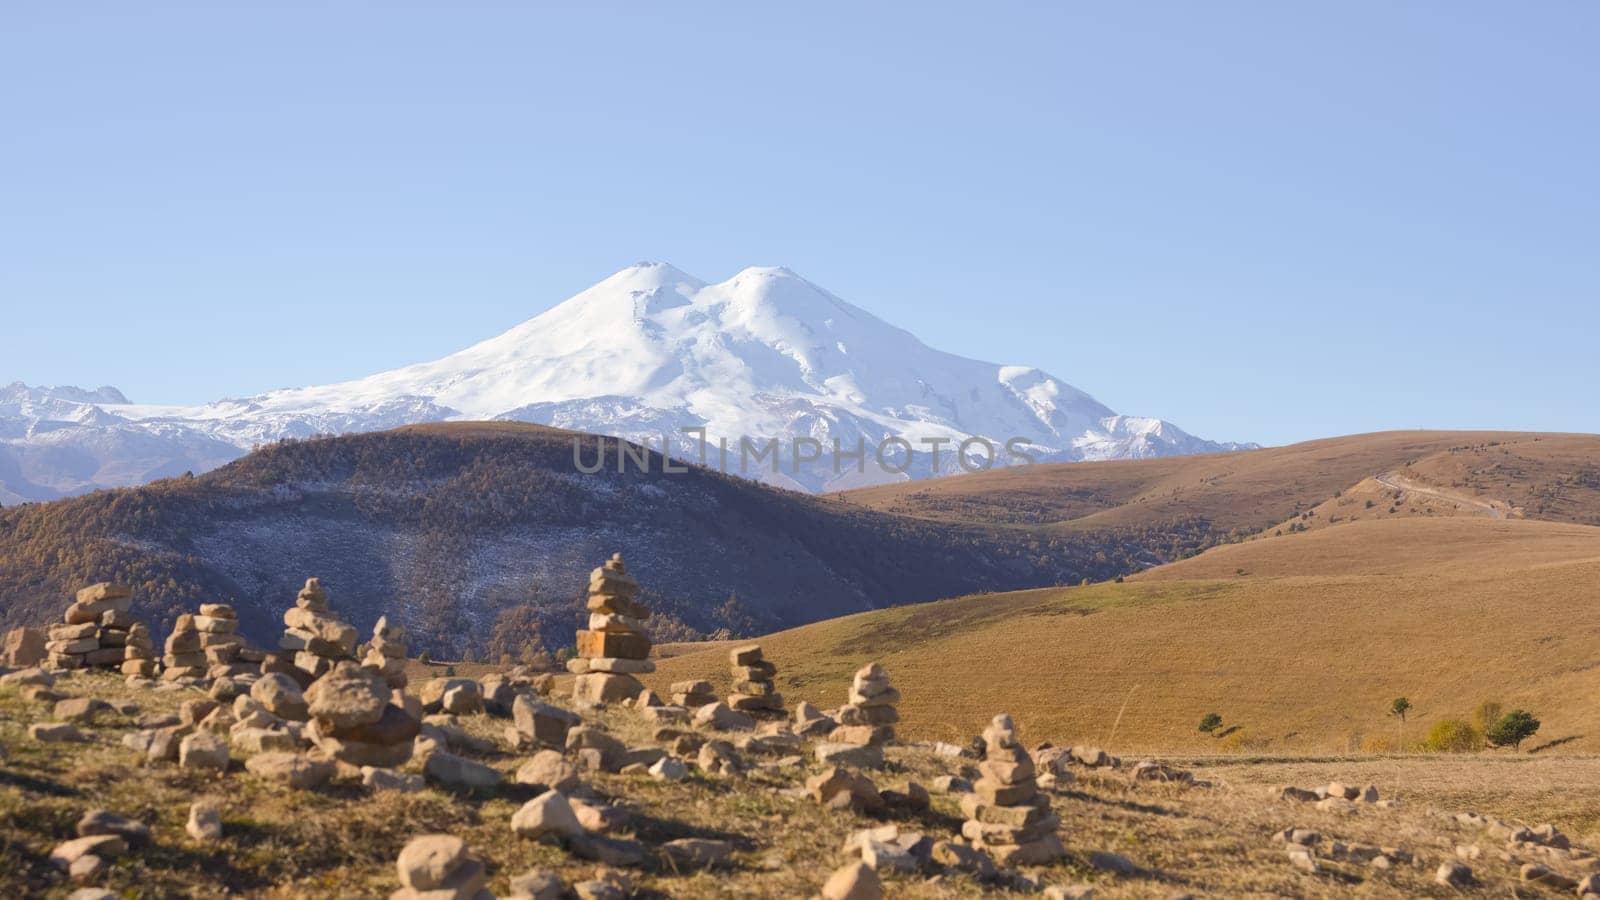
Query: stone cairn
(139,652)
(83,641)
(186,656)
(386,655)
(753,689)
(866,723)
(614,648)
(357,719)
(316,636)
(220,641)
(1006,814)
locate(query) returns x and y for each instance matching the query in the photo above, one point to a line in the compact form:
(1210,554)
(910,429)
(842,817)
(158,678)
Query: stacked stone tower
(316,636)
(1006,814)
(614,648)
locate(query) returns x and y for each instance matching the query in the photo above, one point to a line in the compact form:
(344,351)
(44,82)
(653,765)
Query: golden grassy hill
(1302,654)
(1552,476)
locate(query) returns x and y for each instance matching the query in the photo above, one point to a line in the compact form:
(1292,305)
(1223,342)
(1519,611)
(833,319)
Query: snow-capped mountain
(644,354)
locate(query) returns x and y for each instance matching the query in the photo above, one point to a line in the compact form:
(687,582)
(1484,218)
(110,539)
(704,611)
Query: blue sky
(1262,221)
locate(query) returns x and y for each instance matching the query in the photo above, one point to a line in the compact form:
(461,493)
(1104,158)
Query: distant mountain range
(643,355)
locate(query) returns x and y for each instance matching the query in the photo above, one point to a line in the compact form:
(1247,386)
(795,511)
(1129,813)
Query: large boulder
(23,647)
(348,697)
(280,695)
(541,724)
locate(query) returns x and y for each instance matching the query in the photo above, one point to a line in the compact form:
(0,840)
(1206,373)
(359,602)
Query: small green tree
(1512,729)
(1398,708)
(426,658)
(1210,722)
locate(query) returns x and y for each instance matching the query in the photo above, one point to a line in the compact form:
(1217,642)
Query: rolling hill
(480,535)
(1301,654)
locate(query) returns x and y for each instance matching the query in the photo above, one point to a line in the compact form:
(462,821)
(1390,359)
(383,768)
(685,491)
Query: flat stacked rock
(866,723)
(1006,814)
(386,655)
(316,636)
(753,689)
(873,700)
(614,648)
(77,644)
(354,720)
(220,641)
(693,694)
(186,657)
(139,652)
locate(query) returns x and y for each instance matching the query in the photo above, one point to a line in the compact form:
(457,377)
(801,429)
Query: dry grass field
(1301,653)
(341,841)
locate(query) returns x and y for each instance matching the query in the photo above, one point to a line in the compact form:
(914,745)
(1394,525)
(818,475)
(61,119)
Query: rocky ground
(744,821)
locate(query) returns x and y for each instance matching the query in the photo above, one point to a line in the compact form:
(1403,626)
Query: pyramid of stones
(138,652)
(866,723)
(357,719)
(220,641)
(753,687)
(386,655)
(314,634)
(186,656)
(1006,814)
(614,648)
(95,630)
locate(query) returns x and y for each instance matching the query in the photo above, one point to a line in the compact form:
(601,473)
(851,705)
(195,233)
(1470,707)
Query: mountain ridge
(643,355)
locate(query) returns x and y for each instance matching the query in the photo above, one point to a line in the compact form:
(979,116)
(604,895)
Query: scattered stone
(952,855)
(56,733)
(99,821)
(459,772)
(205,821)
(104,846)
(841,788)
(389,780)
(549,814)
(1534,873)
(1301,858)
(693,694)
(719,758)
(28,677)
(294,770)
(280,695)
(1453,874)
(1115,863)
(952,784)
(203,750)
(669,768)
(80,709)
(538,724)
(856,881)
(723,718)
(439,867)
(23,648)
(550,769)
(537,884)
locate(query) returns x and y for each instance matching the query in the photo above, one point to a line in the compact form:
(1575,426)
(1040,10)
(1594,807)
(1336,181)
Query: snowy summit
(645,353)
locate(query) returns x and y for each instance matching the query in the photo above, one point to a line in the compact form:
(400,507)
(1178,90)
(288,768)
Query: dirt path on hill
(1391,480)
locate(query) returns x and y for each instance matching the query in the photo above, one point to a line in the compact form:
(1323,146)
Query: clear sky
(1263,221)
